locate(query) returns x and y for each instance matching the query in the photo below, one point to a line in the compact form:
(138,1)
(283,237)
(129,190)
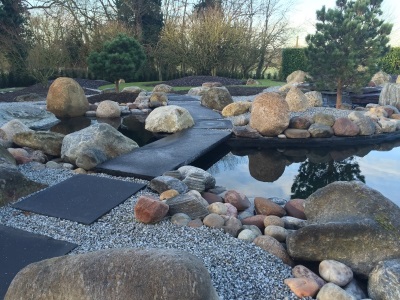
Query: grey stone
(247,235)
(331,291)
(246,132)
(320,131)
(390,95)
(180,219)
(29,97)
(108,109)
(293,223)
(384,280)
(208,179)
(214,221)
(163,183)
(232,226)
(95,144)
(195,182)
(354,288)
(46,141)
(335,272)
(116,274)
(188,204)
(10,129)
(324,119)
(277,232)
(366,125)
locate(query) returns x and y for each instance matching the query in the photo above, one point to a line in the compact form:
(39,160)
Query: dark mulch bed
(199,80)
(130,97)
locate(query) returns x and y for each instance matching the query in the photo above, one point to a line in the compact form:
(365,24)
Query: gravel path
(239,270)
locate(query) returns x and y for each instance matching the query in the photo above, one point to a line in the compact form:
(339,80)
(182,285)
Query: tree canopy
(349,41)
(120,58)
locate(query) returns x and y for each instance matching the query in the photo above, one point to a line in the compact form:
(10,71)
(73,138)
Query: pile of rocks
(346,226)
(272,115)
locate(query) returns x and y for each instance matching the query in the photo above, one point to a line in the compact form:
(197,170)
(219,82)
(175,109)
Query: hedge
(293,59)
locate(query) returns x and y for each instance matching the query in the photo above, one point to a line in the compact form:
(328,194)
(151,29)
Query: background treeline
(235,38)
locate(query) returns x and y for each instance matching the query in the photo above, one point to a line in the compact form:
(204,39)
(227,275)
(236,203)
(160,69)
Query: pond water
(297,173)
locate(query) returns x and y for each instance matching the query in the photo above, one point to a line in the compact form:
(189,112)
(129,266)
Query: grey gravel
(239,270)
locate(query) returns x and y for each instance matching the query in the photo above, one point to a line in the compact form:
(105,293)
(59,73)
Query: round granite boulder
(216,98)
(169,119)
(270,114)
(66,98)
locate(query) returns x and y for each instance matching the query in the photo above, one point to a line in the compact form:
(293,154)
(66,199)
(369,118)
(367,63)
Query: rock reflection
(267,165)
(114,122)
(69,125)
(133,128)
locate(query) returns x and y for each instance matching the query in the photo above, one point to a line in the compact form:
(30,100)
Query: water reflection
(313,176)
(69,125)
(297,173)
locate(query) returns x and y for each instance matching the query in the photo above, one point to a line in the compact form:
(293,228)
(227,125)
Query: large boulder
(380,78)
(115,274)
(390,95)
(270,114)
(296,100)
(163,88)
(66,98)
(170,119)
(95,144)
(13,183)
(33,116)
(132,89)
(314,99)
(108,109)
(46,141)
(236,108)
(384,280)
(10,129)
(216,98)
(296,76)
(366,125)
(351,223)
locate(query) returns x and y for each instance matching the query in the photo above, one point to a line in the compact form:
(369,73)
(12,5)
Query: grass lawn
(148,86)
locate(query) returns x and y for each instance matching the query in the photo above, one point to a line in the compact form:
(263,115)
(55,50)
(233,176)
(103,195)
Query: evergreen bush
(293,59)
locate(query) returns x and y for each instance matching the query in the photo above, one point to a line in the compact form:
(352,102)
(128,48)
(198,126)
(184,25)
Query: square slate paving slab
(81,198)
(20,248)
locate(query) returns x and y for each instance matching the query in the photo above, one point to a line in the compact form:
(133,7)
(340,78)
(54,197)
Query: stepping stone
(164,155)
(81,198)
(20,248)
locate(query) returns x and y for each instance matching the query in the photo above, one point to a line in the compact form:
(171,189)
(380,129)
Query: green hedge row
(293,59)
(390,63)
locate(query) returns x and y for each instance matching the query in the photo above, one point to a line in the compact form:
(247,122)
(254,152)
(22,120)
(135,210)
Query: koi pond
(297,173)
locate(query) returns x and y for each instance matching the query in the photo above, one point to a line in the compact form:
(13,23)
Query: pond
(297,173)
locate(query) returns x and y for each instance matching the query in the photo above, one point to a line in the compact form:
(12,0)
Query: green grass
(148,86)
(11,89)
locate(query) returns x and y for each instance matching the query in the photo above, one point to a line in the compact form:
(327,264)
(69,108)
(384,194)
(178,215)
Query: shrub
(390,63)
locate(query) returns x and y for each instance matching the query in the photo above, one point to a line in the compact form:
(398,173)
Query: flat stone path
(166,154)
(175,150)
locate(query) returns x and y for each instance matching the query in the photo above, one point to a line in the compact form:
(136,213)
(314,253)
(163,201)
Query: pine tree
(120,58)
(349,41)
(13,33)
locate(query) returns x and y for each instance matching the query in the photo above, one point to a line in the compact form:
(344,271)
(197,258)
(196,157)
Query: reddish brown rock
(395,116)
(238,200)
(345,127)
(301,271)
(150,210)
(295,208)
(272,246)
(211,197)
(292,133)
(302,287)
(257,220)
(267,207)
(300,122)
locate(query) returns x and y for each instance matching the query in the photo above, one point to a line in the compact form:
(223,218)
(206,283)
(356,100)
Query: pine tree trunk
(339,90)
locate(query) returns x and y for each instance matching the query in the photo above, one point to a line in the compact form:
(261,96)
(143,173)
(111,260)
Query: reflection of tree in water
(227,163)
(313,176)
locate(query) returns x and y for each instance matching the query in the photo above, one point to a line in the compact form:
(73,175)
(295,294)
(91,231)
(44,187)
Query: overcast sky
(304,12)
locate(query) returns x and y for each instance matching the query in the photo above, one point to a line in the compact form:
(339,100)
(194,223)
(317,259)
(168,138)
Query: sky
(302,18)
